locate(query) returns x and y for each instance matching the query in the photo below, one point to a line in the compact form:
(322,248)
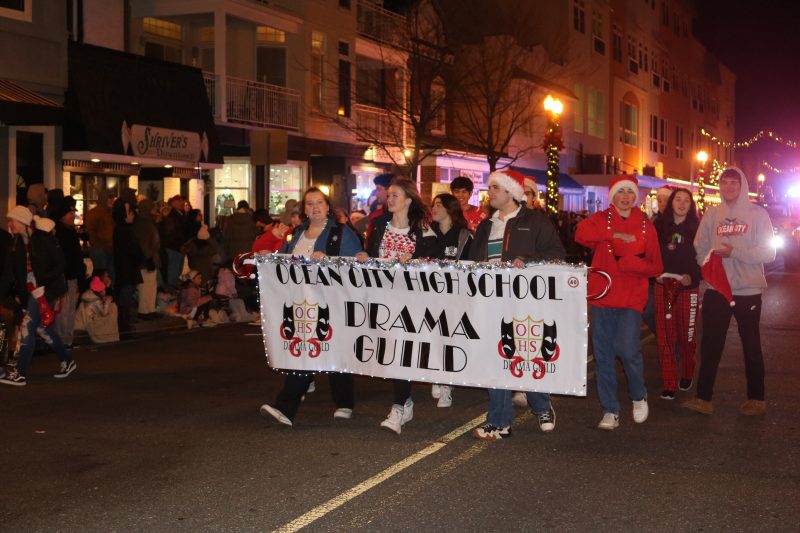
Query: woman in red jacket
(625,245)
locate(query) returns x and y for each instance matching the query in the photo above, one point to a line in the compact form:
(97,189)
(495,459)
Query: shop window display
(285,183)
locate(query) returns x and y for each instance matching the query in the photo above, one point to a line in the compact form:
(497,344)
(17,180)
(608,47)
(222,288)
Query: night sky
(760,42)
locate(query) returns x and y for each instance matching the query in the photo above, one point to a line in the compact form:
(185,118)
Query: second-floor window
(345,76)
(658,135)
(579,15)
(579,107)
(630,124)
(17,9)
(163,39)
(597,114)
(271,56)
(679,142)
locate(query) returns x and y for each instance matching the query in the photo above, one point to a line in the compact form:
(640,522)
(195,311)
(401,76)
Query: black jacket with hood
(47,263)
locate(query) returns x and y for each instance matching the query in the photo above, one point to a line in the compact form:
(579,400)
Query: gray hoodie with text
(747,228)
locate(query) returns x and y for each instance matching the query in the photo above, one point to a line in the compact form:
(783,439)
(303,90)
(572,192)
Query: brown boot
(753,407)
(699,405)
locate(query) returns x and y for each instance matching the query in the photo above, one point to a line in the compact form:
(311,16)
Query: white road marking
(330,505)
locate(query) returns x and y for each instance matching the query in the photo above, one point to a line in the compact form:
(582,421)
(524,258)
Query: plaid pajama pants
(680,329)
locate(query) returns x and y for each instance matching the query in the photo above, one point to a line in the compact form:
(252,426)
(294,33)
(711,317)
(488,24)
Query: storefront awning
(564,180)
(127,108)
(21,106)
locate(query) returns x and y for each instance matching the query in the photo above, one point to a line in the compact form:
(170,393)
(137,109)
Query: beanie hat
(44,224)
(512,181)
(96,285)
(624,181)
(530,183)
(20,213)
(203,233)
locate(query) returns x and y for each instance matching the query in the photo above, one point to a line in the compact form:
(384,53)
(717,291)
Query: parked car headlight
(778,241)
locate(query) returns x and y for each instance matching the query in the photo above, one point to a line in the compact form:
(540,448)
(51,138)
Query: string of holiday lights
(749,142)
(553,143)
(777,170)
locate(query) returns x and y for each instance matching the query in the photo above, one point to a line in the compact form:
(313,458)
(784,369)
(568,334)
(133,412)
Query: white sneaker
(609,422)
(394,421)
(640,411)
(343,412)
(408,411)
(311,388)
(445,397)
(436,391)
(268,410)
(520,399)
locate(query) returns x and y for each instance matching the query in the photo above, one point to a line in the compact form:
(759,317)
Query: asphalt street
(164,435)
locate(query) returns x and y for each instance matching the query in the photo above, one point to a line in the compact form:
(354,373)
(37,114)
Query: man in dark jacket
(520,235)
(35,269)
(240,232)
(146,233)
(128,260)
(173,231)
(74,268)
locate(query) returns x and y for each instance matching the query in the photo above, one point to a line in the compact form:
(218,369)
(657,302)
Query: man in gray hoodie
(740,232)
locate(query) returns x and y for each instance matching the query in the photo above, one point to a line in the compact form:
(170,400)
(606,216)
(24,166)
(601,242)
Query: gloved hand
(46,312)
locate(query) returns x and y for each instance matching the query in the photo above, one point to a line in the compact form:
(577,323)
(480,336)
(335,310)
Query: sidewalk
(143,329)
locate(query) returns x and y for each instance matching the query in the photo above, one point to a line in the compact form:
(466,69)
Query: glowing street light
(702,157)
(552,145)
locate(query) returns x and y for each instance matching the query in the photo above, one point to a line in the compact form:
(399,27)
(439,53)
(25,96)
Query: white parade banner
(468,324)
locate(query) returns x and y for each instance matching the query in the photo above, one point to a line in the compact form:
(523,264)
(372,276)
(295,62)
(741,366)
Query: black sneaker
(668,395)
(490,432)
(685,384)
(547,420)
(13,377)
(65,369)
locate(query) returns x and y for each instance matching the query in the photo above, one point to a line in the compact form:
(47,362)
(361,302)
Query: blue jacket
(335,240)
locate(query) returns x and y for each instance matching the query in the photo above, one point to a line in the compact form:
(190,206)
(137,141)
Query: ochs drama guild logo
(306,328)
(528,345)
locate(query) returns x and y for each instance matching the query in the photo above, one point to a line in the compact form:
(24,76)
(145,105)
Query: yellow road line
(321,510)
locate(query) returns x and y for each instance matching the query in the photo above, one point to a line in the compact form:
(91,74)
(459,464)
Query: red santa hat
(623,181)
(713,273)
(512,181)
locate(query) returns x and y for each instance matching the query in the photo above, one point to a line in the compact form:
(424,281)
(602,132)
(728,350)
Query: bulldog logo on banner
(528,345)
(306,329)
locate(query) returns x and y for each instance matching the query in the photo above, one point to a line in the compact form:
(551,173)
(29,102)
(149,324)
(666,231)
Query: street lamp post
(702,157)
(553,143)
(761,179)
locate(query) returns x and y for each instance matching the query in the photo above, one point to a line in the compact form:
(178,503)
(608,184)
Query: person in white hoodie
(739,232)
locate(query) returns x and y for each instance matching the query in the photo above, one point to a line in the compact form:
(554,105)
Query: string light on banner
(749,142)
(777,170)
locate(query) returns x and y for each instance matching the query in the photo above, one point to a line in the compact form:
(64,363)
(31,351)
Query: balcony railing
(376,124)
(379,24)
(254,103)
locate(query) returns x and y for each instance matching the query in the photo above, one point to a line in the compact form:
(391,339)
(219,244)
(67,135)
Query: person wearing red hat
(520,235)
(736,236)
(625,246)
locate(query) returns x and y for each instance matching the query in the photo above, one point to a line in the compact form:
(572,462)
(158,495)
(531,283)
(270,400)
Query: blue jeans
(617,332)
(174,267)
(501,410)
(31,324)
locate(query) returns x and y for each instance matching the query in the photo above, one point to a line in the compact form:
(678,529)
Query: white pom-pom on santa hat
(512,181)
(623,181)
